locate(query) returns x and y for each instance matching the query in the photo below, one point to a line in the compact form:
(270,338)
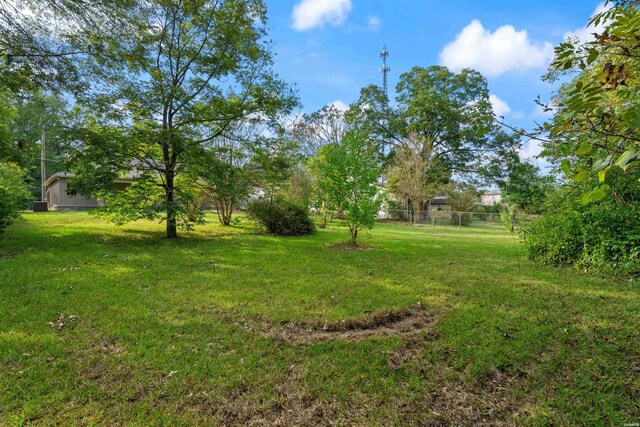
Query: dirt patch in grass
(348,247)
(452,403)
(489,402)
(414,322)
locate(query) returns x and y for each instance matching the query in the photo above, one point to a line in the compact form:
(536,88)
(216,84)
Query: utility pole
(43,167)
(384,54)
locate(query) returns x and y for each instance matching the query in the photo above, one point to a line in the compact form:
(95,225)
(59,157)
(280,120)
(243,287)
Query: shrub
(601,237)
(13,194)
(281,217)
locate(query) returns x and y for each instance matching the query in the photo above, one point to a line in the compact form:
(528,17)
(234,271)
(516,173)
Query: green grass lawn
(199,330)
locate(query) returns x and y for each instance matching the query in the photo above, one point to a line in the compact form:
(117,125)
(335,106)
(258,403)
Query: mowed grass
(170,332)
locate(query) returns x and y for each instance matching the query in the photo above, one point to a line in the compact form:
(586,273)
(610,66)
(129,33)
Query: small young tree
(463,199)
(222,182)
(346,174)
(299,186)
(221,174)
(273,161)
(415,173)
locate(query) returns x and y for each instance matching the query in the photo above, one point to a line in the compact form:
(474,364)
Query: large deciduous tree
(178,78)
(442,125)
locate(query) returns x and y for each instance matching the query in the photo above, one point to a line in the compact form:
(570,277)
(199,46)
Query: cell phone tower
(384,54)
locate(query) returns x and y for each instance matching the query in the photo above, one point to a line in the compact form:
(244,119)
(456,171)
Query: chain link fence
(436,217)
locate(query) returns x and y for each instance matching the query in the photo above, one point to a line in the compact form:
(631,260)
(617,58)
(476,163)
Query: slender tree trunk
(324,213)
(228,211)
(224,209)
(172,229)
(354,235)
(417,211)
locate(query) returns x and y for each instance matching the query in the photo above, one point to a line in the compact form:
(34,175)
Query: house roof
(439,200)
(127,179)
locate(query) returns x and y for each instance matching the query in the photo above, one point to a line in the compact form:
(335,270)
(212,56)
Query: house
(58,199)
(490,198)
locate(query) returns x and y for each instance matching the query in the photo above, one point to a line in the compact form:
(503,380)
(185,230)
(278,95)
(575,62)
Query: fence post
(433,218)
(459,219)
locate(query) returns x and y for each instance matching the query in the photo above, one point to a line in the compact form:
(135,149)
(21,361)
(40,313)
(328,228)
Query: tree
(299,187)
(325,126)
(442,125)
(414,174)
(13,193)
(178,77)
(314,131)
(273,161)
(596,128)
(222,175)
(347,173)
(42,40)
(449,111)
(524,187)
(463,199)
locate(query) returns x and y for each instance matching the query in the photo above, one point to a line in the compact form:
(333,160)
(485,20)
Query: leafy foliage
(273,161)
(220,173)
(597,125)
(451,112)
(281,217)
(143,199)
(415,174)
(13,194)
(179,76)
(346,175)
(602,236)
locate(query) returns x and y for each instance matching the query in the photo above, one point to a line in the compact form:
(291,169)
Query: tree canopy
(595,132)
(182,75)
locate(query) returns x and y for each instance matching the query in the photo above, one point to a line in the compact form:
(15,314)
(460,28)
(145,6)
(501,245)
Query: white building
(490,198)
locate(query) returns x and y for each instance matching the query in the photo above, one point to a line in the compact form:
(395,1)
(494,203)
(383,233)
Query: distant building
(491,197)
(58,199)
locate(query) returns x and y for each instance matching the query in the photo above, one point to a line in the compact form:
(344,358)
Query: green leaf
(632,118)
(599,193)
(581,176)
(595,195)
(602,175)
(566,167)
(625,158)
(592,56)
(584,148)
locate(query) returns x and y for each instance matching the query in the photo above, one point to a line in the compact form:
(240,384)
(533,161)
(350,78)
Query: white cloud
(586,34)
(530,150)
(496,53)
(539,112)
(309,14)
(339,105)
(500,106)
(374,22)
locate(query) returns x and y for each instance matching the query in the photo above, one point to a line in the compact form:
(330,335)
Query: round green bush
(281,217)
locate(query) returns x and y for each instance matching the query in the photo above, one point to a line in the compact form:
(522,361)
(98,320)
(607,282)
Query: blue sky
(329,48)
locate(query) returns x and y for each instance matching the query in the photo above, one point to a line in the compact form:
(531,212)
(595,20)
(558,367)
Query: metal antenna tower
(384,54)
